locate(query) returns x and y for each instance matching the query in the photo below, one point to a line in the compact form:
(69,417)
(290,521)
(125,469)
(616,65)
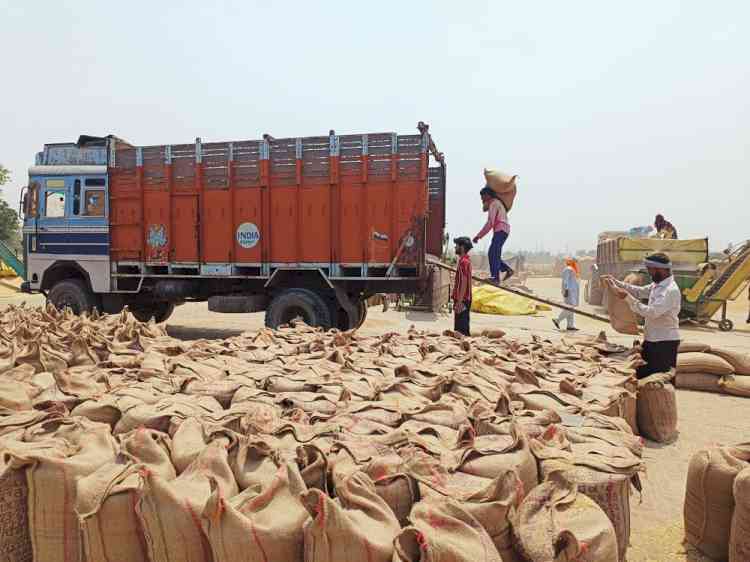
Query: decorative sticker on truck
(248,235)
(157,236)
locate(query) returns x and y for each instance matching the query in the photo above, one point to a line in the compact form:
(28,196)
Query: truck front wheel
(298,303)
(72,294)
(159,311)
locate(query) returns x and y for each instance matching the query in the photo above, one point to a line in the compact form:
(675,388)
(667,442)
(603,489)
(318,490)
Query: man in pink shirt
(497,222)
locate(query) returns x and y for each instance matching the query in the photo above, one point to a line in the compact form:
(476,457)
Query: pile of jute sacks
(713,369)
(118,442)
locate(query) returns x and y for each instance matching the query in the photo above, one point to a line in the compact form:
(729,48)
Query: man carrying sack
(661,314)
(462,286)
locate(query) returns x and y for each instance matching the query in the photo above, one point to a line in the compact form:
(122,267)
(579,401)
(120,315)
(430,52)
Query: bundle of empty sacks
(119,442)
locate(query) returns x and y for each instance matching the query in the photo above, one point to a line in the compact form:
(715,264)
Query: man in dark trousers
(462,286)
(661,314)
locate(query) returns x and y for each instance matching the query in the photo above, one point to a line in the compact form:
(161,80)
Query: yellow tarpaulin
(5,271)
(9,286)
(490,300)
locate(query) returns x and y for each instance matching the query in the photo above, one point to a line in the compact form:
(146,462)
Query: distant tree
(10,232)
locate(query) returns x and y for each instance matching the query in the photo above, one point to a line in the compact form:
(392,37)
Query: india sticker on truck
(248,235)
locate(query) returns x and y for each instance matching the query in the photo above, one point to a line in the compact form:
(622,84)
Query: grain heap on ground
(120,441)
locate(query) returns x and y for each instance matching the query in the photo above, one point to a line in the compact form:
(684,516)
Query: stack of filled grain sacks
(120,442)
(713,369)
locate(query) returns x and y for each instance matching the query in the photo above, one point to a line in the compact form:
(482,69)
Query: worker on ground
(462,286)
(664,229)
(570,291)
(661,314)
(497,222)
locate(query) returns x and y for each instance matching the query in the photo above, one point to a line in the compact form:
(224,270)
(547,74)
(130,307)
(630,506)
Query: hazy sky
(608,111)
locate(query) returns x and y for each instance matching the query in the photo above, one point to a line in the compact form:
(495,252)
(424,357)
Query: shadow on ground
(188,333)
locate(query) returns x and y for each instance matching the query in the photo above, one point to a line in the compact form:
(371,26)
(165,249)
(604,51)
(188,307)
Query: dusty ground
(704,418)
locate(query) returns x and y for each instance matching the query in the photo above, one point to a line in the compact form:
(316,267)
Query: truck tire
(342,317)
(74,294)
(298,303)
(159,311)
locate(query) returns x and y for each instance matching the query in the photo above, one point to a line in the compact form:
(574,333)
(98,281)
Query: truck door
(88,232)
(30,204)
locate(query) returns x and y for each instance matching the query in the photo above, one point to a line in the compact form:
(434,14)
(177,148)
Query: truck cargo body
(343,216)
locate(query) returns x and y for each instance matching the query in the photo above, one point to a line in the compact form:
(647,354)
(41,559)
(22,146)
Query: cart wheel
(726,325)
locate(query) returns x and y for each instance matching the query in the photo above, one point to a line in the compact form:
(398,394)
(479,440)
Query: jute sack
(384,467)
(110,407)
(15,396)
(621,318)
(189,440)
(502,184)
(709,501)
(601,471)
(694,347)
(106,499)
(703,363)
(739,360)
(170,510)
(300,441)
(582,434)
(258,526)
(657,407)
(488,455)
(160,415)
(737,385)
(739,537)
(15,545)
(360,527)
(52,481)
(703,382)
(490,502)
(555,523)
(442,531)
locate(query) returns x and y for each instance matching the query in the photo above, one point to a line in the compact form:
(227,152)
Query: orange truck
(304,227)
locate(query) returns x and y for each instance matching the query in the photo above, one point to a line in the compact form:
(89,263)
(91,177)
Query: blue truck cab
(66,225)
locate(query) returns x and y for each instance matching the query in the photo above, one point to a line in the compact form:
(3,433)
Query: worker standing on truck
(497,222)
(664,229)
(570,291)
(462,286)
(661,314)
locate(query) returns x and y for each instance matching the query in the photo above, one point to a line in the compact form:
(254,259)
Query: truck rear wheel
(298,303)
(159,311)
(73,294)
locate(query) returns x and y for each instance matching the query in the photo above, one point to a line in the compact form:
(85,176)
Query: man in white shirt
(661,314)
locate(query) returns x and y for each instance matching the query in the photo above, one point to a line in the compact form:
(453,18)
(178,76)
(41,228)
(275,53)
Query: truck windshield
(54,204)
